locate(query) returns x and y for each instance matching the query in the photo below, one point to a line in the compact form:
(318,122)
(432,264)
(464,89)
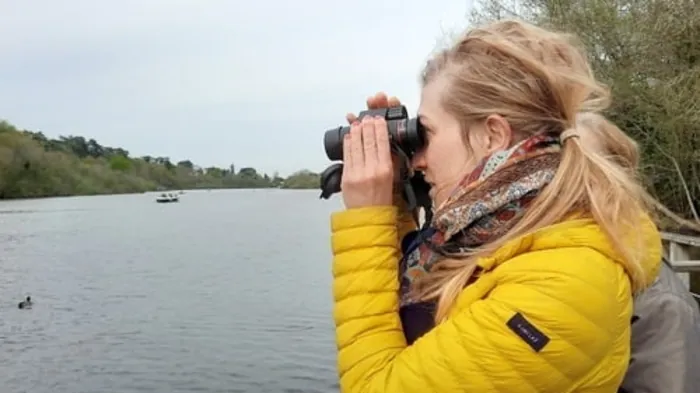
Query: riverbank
(154,192)
(34,166)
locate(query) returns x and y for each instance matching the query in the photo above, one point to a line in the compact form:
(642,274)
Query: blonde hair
(539,81)
(603,137)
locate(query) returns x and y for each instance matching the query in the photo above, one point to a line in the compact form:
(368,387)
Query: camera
(405,133)
(406,137)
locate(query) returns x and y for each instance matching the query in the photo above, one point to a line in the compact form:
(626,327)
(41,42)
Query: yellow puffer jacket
(550,313)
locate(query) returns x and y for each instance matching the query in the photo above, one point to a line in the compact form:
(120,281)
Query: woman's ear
(497,133)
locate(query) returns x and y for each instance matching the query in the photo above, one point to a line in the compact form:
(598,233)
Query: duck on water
(27,303)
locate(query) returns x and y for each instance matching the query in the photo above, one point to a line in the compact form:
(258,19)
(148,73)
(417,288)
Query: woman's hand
(368,173)
(380,100)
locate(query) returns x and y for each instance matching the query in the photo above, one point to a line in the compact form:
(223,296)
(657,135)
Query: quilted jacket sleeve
(473,351)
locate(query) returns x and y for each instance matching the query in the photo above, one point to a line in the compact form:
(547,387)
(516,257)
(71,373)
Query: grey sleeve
(665,340)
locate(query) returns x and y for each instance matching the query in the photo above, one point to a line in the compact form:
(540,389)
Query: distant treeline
(32,165)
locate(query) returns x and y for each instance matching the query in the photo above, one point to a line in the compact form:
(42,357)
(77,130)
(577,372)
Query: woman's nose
(418,161)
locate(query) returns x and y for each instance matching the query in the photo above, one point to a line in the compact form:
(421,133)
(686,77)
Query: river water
(225,291)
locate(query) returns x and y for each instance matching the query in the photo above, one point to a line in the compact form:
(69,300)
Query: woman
(535,248)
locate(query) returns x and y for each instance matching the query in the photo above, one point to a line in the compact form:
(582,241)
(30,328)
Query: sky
(219,82)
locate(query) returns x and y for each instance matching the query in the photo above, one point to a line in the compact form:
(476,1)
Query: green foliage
(302,179)
(32,165)
(120,163)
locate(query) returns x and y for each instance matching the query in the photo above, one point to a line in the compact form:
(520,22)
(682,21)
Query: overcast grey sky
(253,83)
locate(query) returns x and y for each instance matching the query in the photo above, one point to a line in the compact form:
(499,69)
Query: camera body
(406,137)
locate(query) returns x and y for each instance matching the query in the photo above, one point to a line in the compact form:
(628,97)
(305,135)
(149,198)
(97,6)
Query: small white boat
(167,198)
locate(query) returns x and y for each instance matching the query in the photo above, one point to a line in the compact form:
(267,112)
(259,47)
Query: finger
(380,100)
(347,157)
(370,102)
(377,101)
(369,142)
(356,148)
(350,117)
(381,137)
(393,102)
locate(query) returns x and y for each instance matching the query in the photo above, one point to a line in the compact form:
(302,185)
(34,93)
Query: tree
(119,163)
(186,164)
(302,179)
(248,172)
(33,165)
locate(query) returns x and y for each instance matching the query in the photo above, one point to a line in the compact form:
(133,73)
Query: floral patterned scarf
(486,203)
